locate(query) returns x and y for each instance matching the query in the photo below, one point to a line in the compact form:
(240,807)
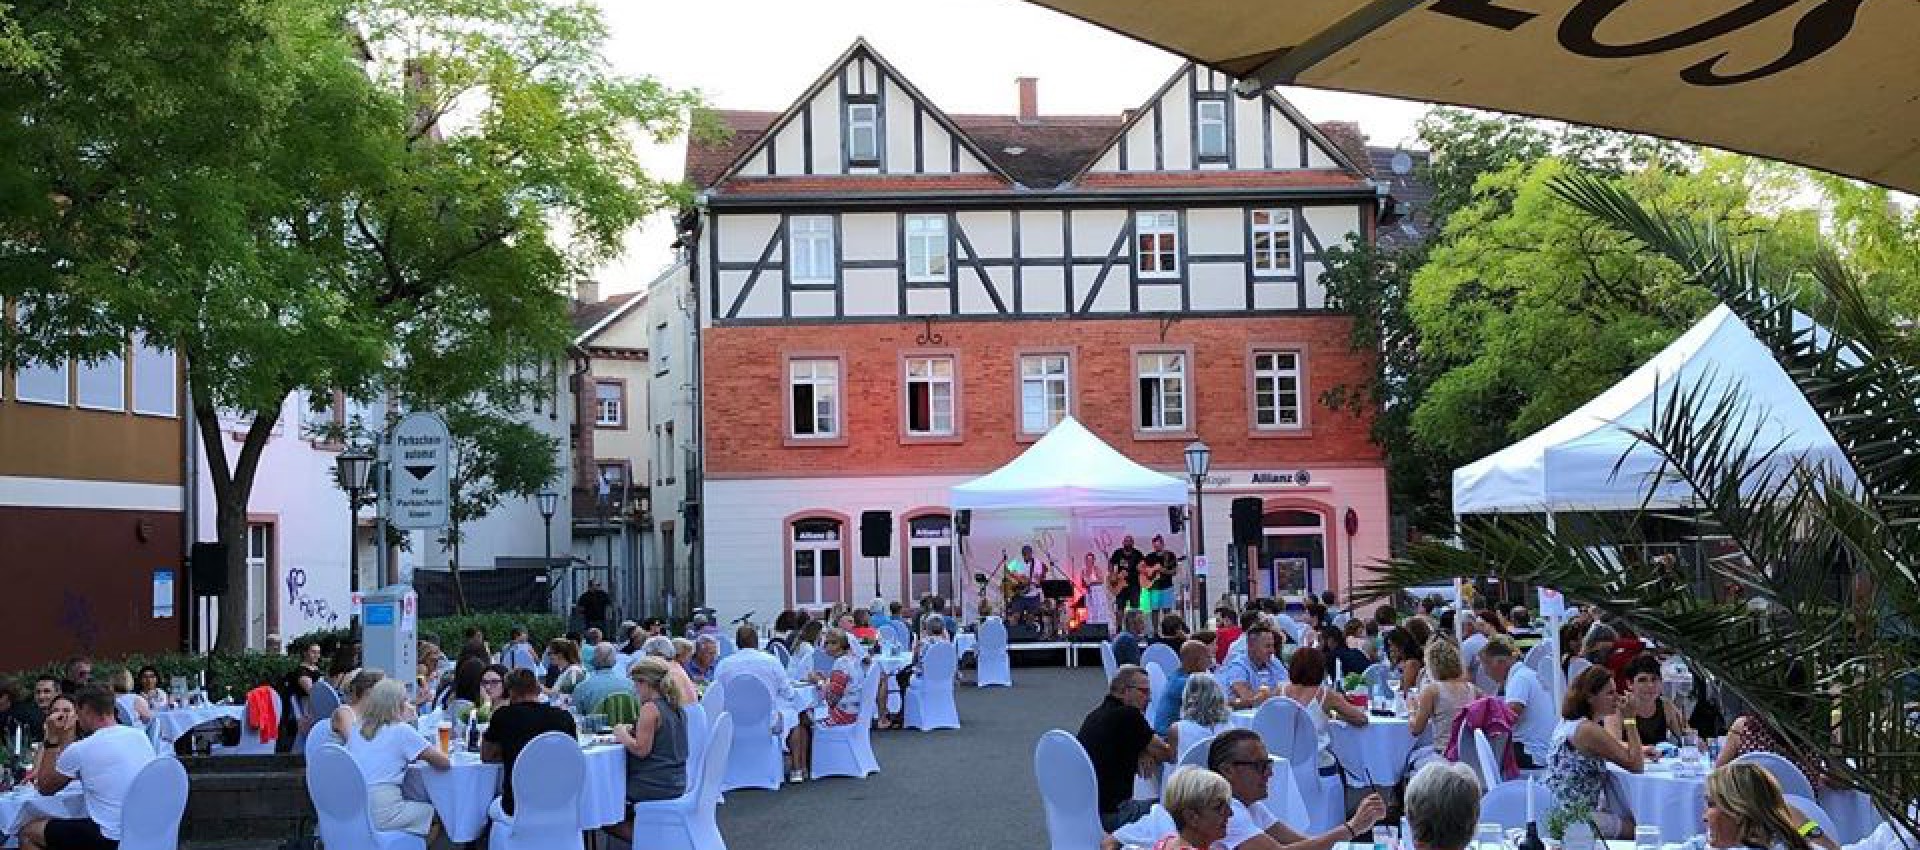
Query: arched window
(817,552)
(930,557)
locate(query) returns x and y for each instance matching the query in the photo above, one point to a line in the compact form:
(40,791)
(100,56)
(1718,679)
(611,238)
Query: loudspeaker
(1246,522)
(1023,633)
(963,522)
(209,563)
(1089,632)
(876,534)
(1176,518)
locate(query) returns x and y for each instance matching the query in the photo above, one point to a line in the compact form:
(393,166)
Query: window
(815,387)
(926,248)
(102,384)
(816,562)
(42,382)
(260,573)
(1163,390)
(609,404)
(1044,384)
(1211,139)
(613,479)
(810,244)
(153,379)
(1157,244)
(930,557)
(1276,389)
(659,351)
(1272,239)
(863,133)
(930,396)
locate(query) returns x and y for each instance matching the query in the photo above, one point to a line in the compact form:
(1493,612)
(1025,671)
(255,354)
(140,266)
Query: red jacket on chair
(263,713)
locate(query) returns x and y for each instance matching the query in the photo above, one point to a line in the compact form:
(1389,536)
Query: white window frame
(1162,252)
(857,124)
(817,594)
(928,258)
(101,385)
(38,372)
(927,369)
(609,412)
(1047,385)
(1273,374)
(1203,123)
(810,252)
(939,582)
(1163,379)
(155,379)
(1278,225)
(822,375)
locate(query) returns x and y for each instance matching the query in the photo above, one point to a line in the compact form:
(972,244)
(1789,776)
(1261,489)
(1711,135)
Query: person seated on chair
(1203,712)
(840,696)
(1199,803)
(1404,651)
(130,706)
(105,762)
(656,743)
(1255,678)
(1443,806)
(1240,757)
(706,656)
(522,719)
(1132,640)
(661,647)
(749,660)
(383,744)
(1342,657)
(1121,744)
(1448,689)
(1194,658)
(1746,808)
(604,681)
(1306,686)
(933,629)
(1520,686)
(806,642)
(1173,631)
(1660,721)
(1226,630)
(347,717)
(1577,767)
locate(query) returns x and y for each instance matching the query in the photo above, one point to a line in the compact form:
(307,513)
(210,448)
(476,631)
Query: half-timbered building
(893,299)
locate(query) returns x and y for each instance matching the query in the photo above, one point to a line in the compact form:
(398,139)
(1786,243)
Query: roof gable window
(863,131)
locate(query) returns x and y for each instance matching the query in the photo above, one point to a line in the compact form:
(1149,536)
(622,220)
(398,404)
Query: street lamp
(549,502)
(1198,456)
(351,469)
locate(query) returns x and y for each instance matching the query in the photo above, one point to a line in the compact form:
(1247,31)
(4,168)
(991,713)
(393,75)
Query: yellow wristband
(1629,722)
(1809,828)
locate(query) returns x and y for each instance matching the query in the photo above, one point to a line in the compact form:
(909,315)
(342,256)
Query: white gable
(1260,133)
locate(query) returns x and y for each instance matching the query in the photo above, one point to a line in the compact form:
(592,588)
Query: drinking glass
(1489,837)
(1646,837)
(1383,838)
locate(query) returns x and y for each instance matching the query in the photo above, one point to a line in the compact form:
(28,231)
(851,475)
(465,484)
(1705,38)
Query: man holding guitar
(1157,569)
(1126,562)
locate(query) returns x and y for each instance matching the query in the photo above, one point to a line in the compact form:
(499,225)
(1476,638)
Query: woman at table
(131,704)
(1745,808)
(1403,652)
(493,687)
(1660,721)
(1750,734)
(863,625)
(933,629)
(340,668)
(1200,802)
(383,744)
(463,692)
(347,716)
(1583,747)
(1448,689)
(147,685)
(661,647)
(706,656)
(806,643)
(296,704)
(564,669)
(1203,713)
(656,743)
(1306,686)
(839,692)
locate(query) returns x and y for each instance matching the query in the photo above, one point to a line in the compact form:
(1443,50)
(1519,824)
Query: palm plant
(1833,675)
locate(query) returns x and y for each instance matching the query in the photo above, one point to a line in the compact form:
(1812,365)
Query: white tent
(1070,468)
(1571,464)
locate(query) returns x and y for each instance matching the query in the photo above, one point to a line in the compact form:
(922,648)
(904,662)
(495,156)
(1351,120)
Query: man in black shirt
(593,606)
(1116,736)
(1126,559)
(513,725)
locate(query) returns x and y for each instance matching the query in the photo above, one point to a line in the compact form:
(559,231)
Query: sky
(962,54)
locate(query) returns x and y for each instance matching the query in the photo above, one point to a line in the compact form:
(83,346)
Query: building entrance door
(1293,553)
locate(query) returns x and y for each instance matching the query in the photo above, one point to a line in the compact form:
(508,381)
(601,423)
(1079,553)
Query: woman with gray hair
(1443,806)
(706,656)
(1203,713)
(661,647)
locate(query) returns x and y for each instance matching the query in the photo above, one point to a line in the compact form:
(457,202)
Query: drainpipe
(189,521)
(696,481)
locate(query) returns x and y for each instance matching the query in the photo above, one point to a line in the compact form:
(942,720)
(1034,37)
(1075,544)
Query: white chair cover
(1791,780)
(1069,793)
(755,760)
(1481,758)
(714,701)
(1812,810)
(1506,804)
(1156,682)
(1541,660)
(1107,660)
(1376,675)
(1162,656)
(992,664)
(1195,754)
(687,822)
(320,708)
(1289,733)
(930,703)
(726,644)
(848,750)
(546,797)
(156,800)
(339,793)
(779,651)
(698,726)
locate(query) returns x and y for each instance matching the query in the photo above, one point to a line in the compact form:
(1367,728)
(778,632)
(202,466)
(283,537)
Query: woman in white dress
(383,744)
(1099,599)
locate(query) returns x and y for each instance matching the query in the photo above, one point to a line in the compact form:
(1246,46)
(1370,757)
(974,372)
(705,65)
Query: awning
(1832,84)
(1070,468)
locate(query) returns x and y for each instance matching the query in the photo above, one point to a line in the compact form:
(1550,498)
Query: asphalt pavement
(962,788)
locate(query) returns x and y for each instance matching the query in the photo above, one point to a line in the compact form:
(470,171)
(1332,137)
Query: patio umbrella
(1832,84)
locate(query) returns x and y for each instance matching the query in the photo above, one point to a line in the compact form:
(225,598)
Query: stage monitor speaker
(1176,518)
(876,534)
(209,563)
(963,522)
(1246,522)
(1023,633)
(1089,632)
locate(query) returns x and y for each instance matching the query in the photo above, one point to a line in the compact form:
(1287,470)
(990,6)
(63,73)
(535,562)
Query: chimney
(587,291)
(1029,99)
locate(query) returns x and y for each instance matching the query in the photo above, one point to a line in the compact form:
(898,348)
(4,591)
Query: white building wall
(670,399)
(515,528)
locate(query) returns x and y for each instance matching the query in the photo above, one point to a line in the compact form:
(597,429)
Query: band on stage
(1036,591)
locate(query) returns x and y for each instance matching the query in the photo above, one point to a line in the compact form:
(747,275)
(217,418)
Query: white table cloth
(168,726)
(965,643)
(1377,751)
(1661,797)
(462,794)
(23,805)
(891,664)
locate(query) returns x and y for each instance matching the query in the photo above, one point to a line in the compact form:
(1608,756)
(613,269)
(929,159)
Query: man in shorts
(105,762)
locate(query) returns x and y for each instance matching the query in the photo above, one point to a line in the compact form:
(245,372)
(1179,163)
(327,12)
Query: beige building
(612,452)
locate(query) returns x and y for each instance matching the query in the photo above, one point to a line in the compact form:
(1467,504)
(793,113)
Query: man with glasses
(1241,757)
(1119,743)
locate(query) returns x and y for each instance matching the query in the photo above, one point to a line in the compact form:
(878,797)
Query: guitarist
(1126,561)
(1156,577)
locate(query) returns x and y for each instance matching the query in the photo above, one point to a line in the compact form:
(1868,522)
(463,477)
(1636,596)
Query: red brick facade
(746,396)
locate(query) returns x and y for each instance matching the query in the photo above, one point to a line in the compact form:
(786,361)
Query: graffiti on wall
(314,612)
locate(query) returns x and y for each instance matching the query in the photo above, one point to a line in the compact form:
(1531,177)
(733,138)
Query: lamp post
(549,502)
(352,468)
(1198,457)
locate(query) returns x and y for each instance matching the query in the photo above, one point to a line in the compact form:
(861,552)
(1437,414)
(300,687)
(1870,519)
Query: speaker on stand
(876,541)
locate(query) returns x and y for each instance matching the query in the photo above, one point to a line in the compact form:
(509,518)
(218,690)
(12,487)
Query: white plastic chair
(1506,803)
(546,797)
(1791,780)
(1107,660)
(1814,812)
(156,800)
(687,821)
(755,760)
(339,793)
(992,664)
(848,750)
(1069,792)
(1162,656)
(1289,733)
(714,701)
(930,703)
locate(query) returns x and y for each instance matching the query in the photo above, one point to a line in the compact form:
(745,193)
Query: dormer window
(863,131)
(1210,136)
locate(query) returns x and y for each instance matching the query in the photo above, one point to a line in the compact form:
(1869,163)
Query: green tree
(289,203)
(495,457)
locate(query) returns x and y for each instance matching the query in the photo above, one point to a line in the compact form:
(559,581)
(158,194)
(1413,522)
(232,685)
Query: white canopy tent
(1588,461)
(1070,468)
